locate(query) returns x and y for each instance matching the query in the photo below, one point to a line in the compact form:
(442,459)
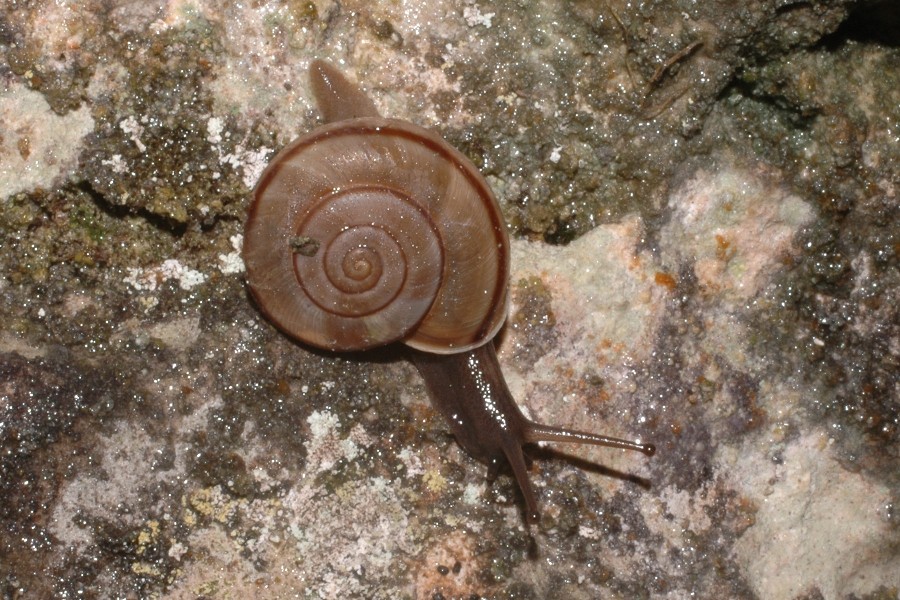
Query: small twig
(659,74)
(658,110)
(625,40)
(678,56)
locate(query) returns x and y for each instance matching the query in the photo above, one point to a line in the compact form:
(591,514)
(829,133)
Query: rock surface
(702,198)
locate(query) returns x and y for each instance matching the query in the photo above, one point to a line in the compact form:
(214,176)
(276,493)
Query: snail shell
(369,230)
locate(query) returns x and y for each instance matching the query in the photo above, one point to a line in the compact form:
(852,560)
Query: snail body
(368,231)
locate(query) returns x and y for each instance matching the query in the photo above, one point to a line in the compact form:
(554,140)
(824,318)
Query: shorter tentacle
(517,461)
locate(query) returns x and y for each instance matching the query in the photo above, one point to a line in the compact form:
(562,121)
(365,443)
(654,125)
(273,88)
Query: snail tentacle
(536,432)
(516,458)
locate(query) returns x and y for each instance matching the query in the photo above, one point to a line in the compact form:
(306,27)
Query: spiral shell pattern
(368,231)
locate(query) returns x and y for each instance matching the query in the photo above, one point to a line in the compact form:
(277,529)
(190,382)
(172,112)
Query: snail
(368,231)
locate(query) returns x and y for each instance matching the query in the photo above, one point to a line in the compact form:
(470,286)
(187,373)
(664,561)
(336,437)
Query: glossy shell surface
(370,230)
